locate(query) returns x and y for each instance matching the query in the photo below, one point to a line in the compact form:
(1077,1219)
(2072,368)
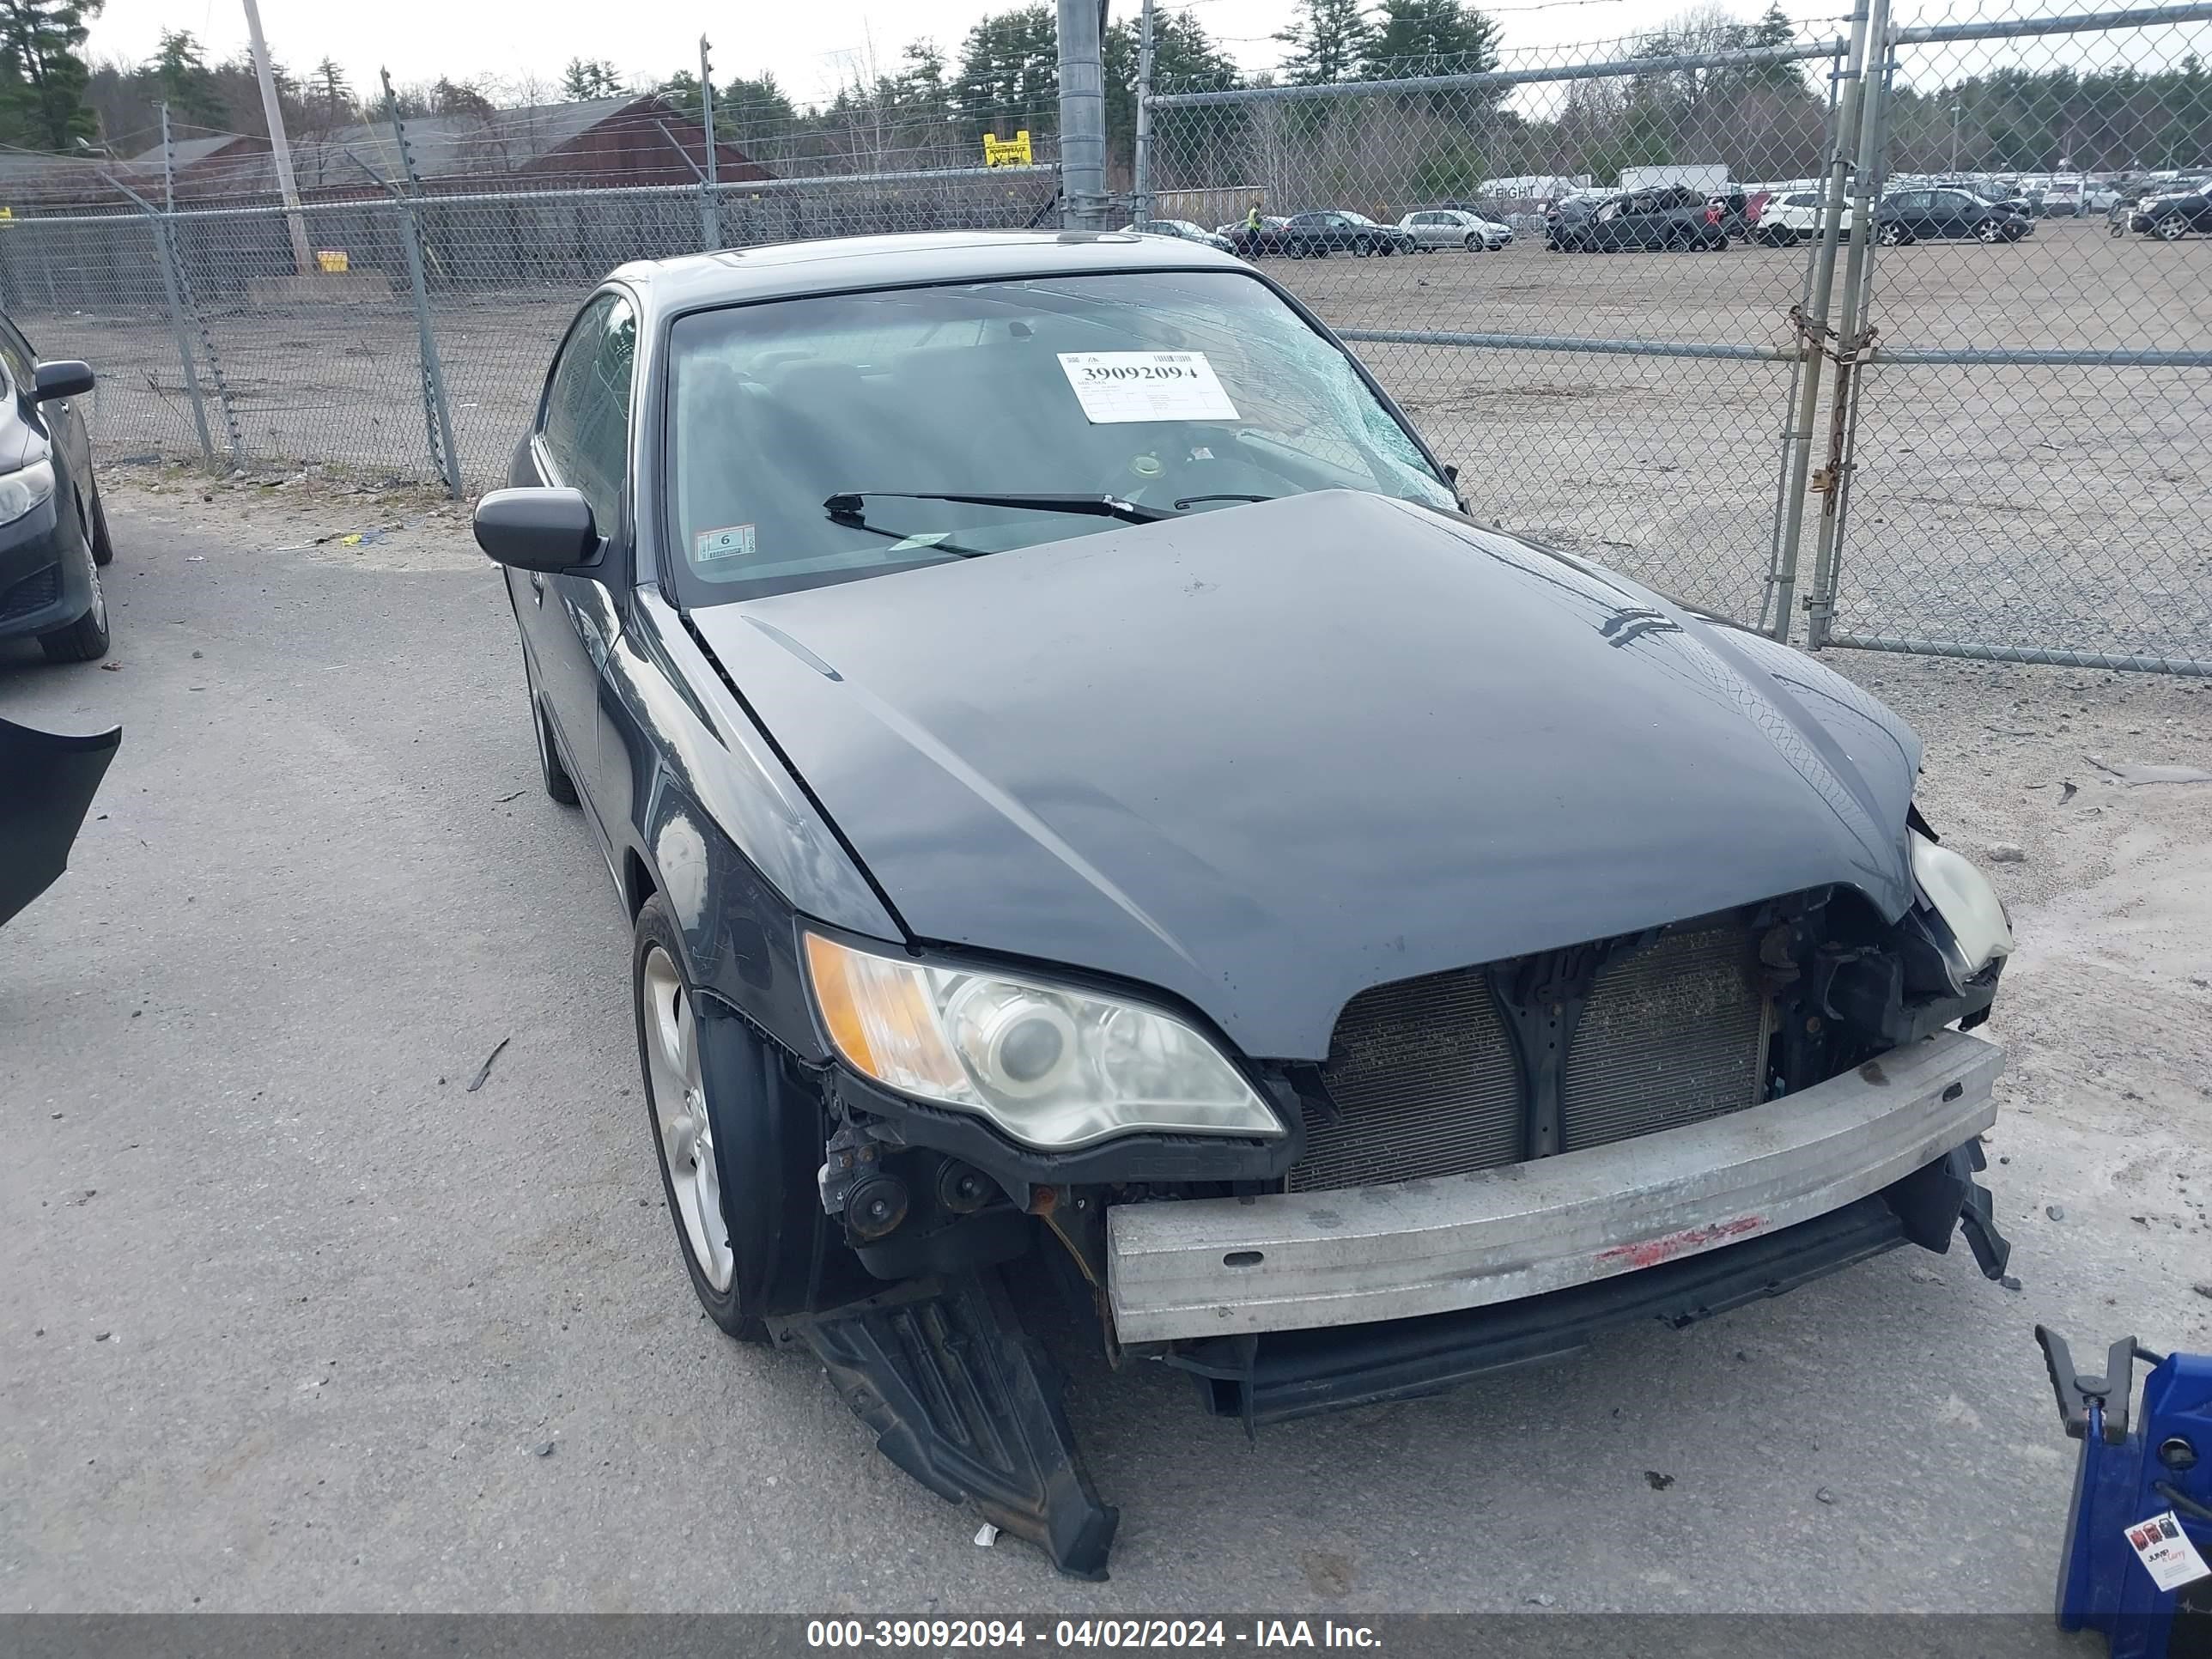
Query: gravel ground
(2056,508)
(292,1317)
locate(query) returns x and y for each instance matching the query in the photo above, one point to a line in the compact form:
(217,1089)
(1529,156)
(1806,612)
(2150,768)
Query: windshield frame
(664,565)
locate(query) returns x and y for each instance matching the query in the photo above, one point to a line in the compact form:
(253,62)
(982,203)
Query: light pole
(280,153)
(1955,112)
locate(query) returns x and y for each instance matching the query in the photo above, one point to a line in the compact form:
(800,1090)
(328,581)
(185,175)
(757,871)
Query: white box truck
(1710,177)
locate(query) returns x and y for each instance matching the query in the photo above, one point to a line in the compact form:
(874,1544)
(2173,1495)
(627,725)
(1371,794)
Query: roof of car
(783,270)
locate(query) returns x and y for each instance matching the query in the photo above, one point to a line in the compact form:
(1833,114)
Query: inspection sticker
(732,541)
(2166,1552)
(1145,386)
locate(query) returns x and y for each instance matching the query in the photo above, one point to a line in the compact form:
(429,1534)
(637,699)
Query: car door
(582,441)
(1952,213)
(1912,212)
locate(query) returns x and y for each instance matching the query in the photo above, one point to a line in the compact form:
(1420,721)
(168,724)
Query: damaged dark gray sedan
(1085,788)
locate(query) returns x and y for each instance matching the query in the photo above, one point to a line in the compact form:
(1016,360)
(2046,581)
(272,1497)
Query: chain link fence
(416,348)
(1877,331)
(1680,305)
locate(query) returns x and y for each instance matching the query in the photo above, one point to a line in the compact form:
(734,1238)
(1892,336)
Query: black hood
(1266,756)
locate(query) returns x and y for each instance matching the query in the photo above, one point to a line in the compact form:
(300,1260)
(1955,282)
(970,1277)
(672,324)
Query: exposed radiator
(1673,1035)
(1426,1082)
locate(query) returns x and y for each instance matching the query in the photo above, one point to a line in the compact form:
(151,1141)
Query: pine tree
(332,93)
(1327,41)
(1431,37)
(183,80)
(590,77)
(42,74)
(1009,75)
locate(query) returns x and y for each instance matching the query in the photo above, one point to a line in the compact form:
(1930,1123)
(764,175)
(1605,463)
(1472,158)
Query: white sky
(811,45)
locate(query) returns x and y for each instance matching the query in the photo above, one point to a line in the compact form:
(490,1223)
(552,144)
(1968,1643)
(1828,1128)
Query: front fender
(714,821)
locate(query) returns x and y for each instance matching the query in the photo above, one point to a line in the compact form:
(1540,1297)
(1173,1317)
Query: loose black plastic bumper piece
(967,1403)
(1297,1373)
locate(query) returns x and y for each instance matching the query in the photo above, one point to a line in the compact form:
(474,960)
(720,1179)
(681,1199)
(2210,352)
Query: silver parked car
(1435,228)
(1184,229)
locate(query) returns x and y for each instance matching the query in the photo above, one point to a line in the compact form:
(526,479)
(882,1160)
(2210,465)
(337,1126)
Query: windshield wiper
(845,505)
(1192,500)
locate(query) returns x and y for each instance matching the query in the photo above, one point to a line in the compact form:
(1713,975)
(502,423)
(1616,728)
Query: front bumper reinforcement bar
(1229,1266)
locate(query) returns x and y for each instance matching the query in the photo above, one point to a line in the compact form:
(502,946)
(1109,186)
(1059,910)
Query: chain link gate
(1673,366)
(2021,474)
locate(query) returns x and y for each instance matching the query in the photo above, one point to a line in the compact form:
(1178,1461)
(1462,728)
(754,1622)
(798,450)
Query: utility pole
(1955,112)
(280,152)
(1082,117)
(1142,183)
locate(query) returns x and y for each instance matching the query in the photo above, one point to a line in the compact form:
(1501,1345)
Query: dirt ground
(2052,508)
(296,1322)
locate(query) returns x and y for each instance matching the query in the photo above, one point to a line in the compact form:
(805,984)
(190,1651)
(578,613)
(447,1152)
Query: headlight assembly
(1964,899)
(25,488)
(1055,1068)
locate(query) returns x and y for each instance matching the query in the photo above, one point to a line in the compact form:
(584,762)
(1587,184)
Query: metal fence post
(172,283)
(710,217)
(437,416)
(1854,336)
(1813,319)
(1141,179)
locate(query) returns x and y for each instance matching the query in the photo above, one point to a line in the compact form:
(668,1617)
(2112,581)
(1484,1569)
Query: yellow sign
(331,261)
(7,213)
(1012,152)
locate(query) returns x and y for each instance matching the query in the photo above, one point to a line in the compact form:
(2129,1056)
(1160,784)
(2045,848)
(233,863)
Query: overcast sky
(812,46)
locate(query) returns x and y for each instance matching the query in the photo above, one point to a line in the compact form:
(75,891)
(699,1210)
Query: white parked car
(1788,220)
(1435,227)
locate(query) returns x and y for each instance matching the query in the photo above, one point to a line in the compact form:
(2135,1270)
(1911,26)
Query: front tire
(2172,229)
(1891,236)
(738,1137)
(1989,232)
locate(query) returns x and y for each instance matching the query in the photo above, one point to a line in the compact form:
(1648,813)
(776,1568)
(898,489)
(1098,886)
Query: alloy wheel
(679,1111)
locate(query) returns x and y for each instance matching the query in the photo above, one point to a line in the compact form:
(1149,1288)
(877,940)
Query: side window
(16,351)
(586,423)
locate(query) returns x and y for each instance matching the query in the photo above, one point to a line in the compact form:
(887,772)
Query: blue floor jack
(2140,1531)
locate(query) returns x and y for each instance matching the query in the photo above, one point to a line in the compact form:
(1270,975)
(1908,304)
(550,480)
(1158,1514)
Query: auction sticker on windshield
(1145,386)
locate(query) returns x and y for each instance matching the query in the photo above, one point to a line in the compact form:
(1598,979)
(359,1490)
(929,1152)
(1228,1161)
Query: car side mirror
(62,378)
(549,530)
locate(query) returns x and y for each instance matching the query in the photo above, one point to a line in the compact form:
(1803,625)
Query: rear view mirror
(550,530)
(62,378)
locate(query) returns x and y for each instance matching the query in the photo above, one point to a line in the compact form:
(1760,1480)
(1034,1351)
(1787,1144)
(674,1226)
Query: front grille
(1427,1082)
(1671,1035)
(34,592)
